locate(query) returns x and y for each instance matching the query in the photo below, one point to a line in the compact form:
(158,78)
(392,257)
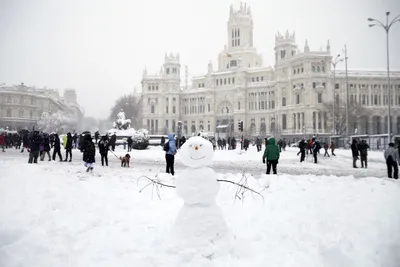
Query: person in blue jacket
(170,153)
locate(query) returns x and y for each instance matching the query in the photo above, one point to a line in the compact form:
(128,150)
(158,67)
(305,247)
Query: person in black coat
(302,145)
(34,142)
(46,147)
(113,141)
(103,149)
(130,142)
(57,147)
(96,136)
(89,153)
(68,148)
(354,151)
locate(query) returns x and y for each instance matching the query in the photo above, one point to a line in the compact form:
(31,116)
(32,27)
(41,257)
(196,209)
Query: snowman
(200,225)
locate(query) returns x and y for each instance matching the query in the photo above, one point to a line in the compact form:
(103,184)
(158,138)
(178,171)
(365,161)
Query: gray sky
(100,47)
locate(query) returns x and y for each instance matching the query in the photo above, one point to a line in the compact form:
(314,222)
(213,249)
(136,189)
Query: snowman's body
(200,222)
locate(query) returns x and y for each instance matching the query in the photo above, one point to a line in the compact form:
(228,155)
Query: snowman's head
(196,152)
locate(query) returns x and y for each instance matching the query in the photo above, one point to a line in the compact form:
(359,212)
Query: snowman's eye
(201,145)
(190,145)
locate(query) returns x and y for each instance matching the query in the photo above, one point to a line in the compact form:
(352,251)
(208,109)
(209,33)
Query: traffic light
(240,125)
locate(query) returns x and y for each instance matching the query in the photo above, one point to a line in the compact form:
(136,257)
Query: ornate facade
(293,98)
(22,106)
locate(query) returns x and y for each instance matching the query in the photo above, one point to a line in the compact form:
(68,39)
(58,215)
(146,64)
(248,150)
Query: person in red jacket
(2,142)
(326,147)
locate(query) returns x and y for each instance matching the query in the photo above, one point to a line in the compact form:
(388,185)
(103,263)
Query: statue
(121,123)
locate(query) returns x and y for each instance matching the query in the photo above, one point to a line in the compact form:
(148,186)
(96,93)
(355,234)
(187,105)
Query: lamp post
(386,26)
(334,63)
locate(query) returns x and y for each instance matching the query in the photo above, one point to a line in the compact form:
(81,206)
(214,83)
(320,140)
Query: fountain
(123,130)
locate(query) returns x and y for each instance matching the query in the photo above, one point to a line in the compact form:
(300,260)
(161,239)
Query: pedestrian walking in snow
(96,136)
(68,148)
(2,142)
(363,147)
(326,147)
(46,147)
(57,147)
(354,151)
(170,152)
(303,147)
(103,149)
(89,153)
(34,143)
(130,143)
(113,141)
(333,148)
(392,159)
(315,147)
(271,156)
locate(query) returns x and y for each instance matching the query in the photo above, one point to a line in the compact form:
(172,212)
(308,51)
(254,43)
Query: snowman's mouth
(197,158)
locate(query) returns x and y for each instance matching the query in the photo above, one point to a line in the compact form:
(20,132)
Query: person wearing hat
(392,159)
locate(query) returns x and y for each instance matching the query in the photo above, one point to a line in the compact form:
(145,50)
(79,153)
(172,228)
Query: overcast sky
(100,47)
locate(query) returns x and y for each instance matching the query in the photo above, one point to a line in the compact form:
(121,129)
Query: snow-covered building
(291,99)
(22,106)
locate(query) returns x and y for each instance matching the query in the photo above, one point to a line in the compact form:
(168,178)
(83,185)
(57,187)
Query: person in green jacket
(271,153)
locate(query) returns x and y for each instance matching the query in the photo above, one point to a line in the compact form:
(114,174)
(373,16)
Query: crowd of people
(41,144)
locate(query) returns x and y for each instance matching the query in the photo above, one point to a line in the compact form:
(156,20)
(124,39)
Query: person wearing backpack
(170,152)
(316,146)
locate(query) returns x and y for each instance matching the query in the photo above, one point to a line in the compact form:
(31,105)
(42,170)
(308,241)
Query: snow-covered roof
(368,73)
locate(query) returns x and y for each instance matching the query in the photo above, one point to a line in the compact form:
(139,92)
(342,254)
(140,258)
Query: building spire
(328,46)
(306,47)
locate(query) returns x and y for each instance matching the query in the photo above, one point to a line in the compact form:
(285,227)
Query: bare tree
(358,117)
(132,108)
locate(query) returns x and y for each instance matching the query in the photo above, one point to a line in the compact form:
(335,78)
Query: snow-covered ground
(54,214)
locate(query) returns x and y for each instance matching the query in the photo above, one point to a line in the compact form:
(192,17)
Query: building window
(283,101)
(233,80)
(21,100)
(173,109)
(209,107)
(224,80)
(239,105)
(31,114)
(229,80)
(319,98)
(21,113)
(216,81)
(298,99)
(166,109)
(233,63)
(284,121)
(257,79)
(313,68)
(252,79)
(9,99)
(323,68)
(314,85)
(318,69)
(166,124)
(152,109)
(337,86)
(8,112)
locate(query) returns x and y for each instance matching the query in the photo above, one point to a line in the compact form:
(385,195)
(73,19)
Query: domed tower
(285,47)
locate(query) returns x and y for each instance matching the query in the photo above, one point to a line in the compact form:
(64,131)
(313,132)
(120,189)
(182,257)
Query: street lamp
(386,27)
(334,63)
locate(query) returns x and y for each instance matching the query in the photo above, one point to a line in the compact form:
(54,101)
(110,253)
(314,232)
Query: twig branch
(241,186)
(155,181)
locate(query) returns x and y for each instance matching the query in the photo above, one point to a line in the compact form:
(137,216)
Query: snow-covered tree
(56,122)
(131,105)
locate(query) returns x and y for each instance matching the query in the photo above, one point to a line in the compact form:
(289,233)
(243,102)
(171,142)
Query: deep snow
(55,214)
